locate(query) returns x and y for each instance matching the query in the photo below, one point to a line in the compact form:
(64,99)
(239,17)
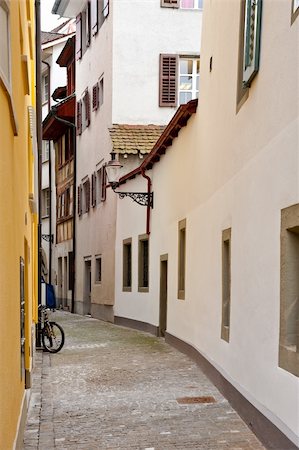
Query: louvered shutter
(87,25)
(87,195)
(94,12)
(79,200)
(168,80)
(103,178)
(79,117)
(252,34)
(93,189)
(95,97)
(170,3)
(79,36)
(87,107)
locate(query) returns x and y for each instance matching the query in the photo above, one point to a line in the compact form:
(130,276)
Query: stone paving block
(112,388)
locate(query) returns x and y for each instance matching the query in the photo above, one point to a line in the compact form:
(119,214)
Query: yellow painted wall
(18,221)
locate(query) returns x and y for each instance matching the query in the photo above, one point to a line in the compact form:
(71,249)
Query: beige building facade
(222,254)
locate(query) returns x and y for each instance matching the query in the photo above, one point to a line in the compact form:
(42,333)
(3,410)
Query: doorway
(65,280)
(60,278)
(163,295)
(87,287)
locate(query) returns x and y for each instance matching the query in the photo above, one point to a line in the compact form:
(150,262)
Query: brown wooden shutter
(93,190)
(88,27)
(170,3)
(168,80)
(80,200)
(104,181)
(87,192)
(87,107)
(79,117)
(95,97)
(94,13)
(79,36)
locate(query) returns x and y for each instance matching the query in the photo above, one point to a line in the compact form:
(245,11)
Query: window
(289,291)
(295,10)
(252,33)
(101,91)
(172,69)
(45,88)
(183,4)
(98,270)
(4,44)
(86,110)
(226,283)
(127,265)
(95,97)
(181,259)
(93,189)
(101,185)
(46,202)
(143,263)
(189,79)
(79,36)
(45,151)
(79,117)
(86,196)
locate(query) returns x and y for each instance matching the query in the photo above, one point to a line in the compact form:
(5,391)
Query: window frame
(182,245)
(6,78)
(46,151)
(289,264)
(127,265)
(294,11)
(46,203)
(226,284)
(98,264)
(141,263)
(194,91)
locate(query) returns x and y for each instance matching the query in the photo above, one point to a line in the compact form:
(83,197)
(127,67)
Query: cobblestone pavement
(115,388)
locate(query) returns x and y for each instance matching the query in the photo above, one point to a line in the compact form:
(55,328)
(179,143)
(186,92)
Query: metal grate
(192,400)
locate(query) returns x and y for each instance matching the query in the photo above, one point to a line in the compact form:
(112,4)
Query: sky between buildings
(48,20)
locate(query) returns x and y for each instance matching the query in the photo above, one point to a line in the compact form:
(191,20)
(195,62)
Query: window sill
(181,295)
(143,289)
(98,283)
(47,216)
(127,289)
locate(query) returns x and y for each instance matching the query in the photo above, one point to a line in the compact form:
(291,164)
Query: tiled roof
(135,138)
(49,36)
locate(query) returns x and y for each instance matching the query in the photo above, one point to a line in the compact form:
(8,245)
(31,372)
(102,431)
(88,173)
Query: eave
(53,128)
(172,130)
(68,53)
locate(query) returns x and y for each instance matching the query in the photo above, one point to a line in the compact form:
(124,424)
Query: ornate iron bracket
(142,198)
(48,237)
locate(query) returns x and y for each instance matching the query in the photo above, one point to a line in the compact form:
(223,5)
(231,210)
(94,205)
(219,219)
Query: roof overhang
(67,54)
(172,130)
(68,8)
(53,128)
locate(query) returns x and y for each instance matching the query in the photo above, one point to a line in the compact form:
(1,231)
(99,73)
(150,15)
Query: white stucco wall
(93,148)
(142,31)
(227,169)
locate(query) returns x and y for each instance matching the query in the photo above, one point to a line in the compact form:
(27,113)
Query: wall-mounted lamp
(113,174)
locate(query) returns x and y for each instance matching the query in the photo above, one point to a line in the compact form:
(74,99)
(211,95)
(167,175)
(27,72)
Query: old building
(18,216)
(215,269)
(130,79)
(53,89)
(59,127)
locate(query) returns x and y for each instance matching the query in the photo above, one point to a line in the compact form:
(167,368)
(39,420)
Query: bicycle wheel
(53,337)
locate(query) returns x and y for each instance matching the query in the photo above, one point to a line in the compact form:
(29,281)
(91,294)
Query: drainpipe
(39,157)
(148,208)
(50,175)
(73,126)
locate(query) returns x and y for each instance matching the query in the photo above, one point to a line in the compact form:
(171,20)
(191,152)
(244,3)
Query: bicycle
(52,333)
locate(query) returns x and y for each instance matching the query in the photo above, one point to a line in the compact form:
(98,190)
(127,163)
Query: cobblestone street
(116,388)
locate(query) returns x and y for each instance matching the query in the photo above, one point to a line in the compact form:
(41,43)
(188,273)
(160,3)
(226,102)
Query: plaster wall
(142,31)
(235,170)
(95,230)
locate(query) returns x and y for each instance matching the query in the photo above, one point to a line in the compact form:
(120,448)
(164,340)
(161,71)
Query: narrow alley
(117,388)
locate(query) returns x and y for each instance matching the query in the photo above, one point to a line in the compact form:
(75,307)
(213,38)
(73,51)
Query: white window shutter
(252,36)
